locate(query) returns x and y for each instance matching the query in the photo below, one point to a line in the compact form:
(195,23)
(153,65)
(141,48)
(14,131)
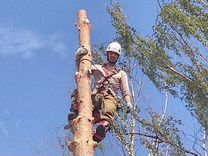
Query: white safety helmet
(114,47)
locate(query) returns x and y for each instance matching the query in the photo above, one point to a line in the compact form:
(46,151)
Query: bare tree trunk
(204,143)
(83,145)
(133,123)
(155,143)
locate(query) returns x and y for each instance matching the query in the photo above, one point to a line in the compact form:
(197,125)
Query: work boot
(101,131)
(71,117)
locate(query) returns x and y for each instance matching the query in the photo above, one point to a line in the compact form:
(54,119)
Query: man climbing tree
(108,79)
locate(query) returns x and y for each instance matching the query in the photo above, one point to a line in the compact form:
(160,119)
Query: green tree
(174,58)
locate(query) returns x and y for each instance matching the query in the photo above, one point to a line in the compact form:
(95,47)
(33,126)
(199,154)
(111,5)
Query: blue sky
(38,40)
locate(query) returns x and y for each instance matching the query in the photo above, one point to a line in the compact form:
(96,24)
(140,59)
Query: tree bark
(83,145)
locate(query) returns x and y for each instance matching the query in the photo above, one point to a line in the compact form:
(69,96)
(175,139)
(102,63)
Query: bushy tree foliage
(175,59)
(175,56)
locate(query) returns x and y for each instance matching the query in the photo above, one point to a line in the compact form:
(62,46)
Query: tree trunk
(83,144)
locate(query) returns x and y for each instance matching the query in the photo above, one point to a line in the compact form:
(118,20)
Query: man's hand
(129,107)
(81,51)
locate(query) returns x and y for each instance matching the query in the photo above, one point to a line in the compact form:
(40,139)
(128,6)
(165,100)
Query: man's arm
(97,69)
(127,99)
(125,90)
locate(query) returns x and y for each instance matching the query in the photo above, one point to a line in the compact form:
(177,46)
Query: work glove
(129,107)
(81,51)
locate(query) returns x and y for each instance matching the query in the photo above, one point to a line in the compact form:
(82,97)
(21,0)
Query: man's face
(112,57)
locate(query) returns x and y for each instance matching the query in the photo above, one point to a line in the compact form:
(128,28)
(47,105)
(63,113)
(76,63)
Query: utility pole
(83,145)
